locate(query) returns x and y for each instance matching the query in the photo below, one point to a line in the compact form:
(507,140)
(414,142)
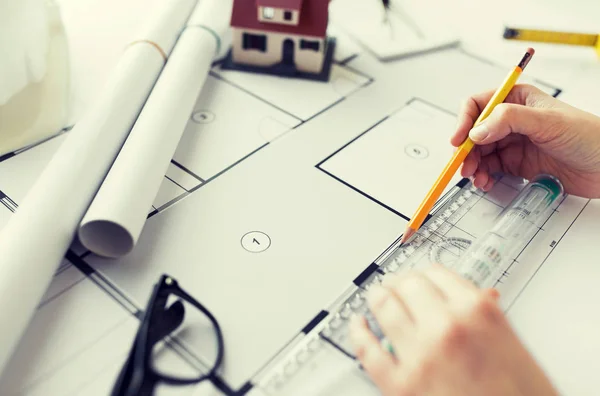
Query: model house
(284,37)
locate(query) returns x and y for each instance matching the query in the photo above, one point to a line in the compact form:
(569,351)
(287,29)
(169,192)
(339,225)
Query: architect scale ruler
(437,241)
(441,240)
(321,361)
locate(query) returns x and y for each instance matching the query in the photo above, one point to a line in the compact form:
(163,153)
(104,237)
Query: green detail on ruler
(551,184)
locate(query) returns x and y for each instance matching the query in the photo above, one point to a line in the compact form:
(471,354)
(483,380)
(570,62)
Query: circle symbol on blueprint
(446,252)
(256,241)
(203,117)
(417,151)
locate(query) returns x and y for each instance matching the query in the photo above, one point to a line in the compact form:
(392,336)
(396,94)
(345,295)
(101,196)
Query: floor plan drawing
(302,99)
(283,203)
(222,130)
(408,140)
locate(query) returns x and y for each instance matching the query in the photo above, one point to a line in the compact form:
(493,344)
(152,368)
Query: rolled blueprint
(117,215)
(35,240)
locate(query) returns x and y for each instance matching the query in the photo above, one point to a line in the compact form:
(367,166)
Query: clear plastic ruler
(439,240)
(458,219)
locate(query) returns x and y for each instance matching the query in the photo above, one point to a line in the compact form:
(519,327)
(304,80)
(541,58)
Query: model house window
(308,44)
(254,41)
(287,15)
(268,12)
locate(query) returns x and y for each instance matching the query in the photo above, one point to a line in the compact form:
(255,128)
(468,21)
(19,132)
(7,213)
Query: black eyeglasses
(138,375)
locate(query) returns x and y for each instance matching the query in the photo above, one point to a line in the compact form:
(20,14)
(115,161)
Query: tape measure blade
(549,36)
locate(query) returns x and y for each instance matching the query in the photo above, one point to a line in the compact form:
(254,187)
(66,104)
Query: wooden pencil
(463,150)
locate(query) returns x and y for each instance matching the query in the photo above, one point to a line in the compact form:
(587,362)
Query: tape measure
(554,37)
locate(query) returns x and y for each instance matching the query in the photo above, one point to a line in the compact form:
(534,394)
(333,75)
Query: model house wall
(281,37)
(262,48)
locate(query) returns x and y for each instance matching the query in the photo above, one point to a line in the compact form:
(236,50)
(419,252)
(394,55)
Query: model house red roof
(286,4)
(313,16)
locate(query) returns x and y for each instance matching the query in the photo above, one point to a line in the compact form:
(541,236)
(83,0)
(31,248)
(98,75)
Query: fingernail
(494,293)
(479,133)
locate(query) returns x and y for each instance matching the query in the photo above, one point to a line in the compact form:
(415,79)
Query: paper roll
(37,236)
(115,219)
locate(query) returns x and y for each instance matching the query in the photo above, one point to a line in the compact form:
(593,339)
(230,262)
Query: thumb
(509,118)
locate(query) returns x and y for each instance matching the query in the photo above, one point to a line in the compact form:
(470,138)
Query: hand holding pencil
(464,149)
(531,133)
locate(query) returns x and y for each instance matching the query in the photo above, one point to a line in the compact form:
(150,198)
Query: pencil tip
(409,232)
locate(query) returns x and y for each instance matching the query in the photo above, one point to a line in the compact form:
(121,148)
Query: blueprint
(279,208)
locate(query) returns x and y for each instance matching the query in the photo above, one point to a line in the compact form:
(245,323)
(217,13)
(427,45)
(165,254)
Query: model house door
(288,52)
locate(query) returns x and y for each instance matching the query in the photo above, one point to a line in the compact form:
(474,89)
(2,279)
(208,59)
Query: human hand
(449,338)
(531,133)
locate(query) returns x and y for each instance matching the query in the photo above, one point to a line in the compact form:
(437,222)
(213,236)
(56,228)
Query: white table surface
(558,315)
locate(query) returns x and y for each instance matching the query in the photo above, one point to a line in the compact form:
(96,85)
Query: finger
(510,140)
(378,363)
(481,177)
(424,301)
(487,149)
(470,110)
(453,285)
(392,316)
(493,163)
(489,185)
(521,94)
(470,163)
(462,293)
(508,119)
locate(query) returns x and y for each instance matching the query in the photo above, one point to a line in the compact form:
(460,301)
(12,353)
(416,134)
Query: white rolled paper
(34,241)
(115,219)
